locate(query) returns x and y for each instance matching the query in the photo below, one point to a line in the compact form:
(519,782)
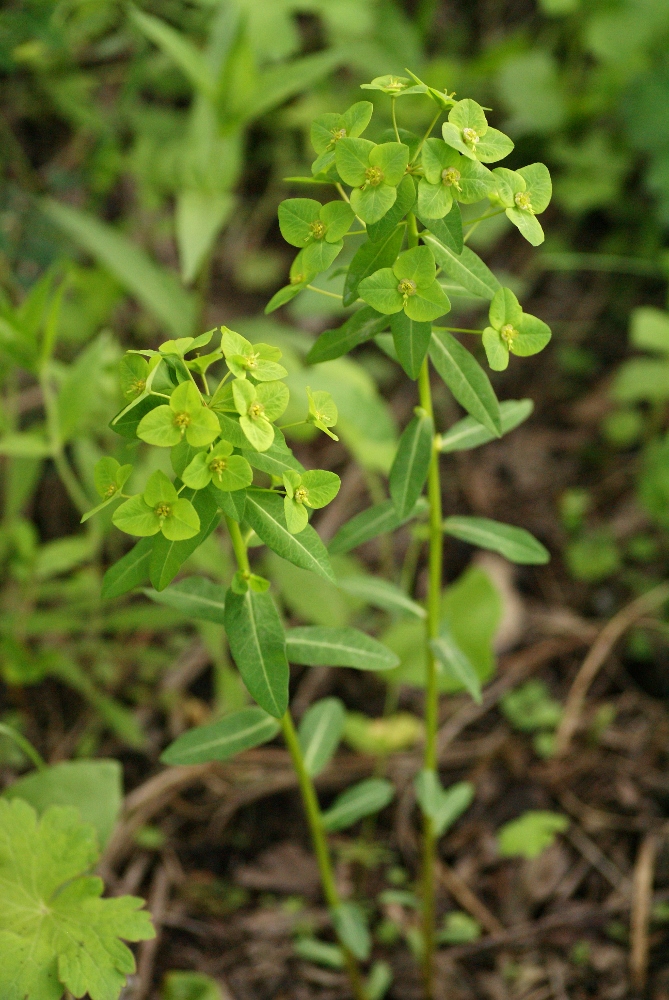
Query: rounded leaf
(372,203)
(157,427)
(380,291)
(182,521)
(135,517)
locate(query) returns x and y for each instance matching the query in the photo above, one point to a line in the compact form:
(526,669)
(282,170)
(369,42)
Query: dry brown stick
(642,891)
(467,899)
(157,903)
(596,857)
(597,655)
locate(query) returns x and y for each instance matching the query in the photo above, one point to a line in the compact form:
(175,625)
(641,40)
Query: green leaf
(135,517)
(131,571)
(364,799)
(466,268)
(371,257)
(380,290)
(195,597)
(192,986)
(94,787)
(311,950)
(443,806)
(351,927)
(320,732)
(466,379)
(363,325)
(406,196)
(276,460)
(530,834)
(515,544)
(392,159)
(128,419)
(316,646)
(469,433)
(456,664)
(493,146)
(382,594)
(233,504)
(447,230)
(505,308)
(223,739)
(377,520)
(199,217)
(649,330)
(258,647)
(538,185)
(352,159)
(412,461)
(318,256)
(56,933)
(179,49)
(280,82)
(265,514)
(296,219)
(168,556)
(337,216)
(428,304)
(158,290)
(528,225)
(372,203)
(641,379)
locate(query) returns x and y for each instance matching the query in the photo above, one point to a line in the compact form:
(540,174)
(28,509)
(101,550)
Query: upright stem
(307,790)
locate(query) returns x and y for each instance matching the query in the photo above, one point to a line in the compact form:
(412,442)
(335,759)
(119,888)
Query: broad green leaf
(406,196)
(505,308)
(167,557)
(296,219)
(641,379)
(94,787)
(337,216)
(392,159)
(372,203)
(364,799)
(265,514)
(381,593)
(131,571)
(466,379)
(258,647)
(416,265)
(352,159)
(320,732)
(493,146)
(56,933)
(447,230)
(380,290)
(223,739)
(351,926)
(455,664)
(443,806)
(515,544)
(156,288)
(194,986)
(469,433)
(284,296)
(377,520)
(276,460)
(528,225)
(466,268)
(318,256)
(530,834)
(538,185)
(371,257)
(428,304)
(363,325)
(316,646)
(128,419)
(533,335)
(412,461)
(195,597)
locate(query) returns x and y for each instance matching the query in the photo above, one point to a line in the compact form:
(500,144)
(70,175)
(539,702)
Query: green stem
(321,291)
(431,687)
(312,809)
(238,545)
(393,102)
(24,745)
(342,193)
(457,329)
(412,231)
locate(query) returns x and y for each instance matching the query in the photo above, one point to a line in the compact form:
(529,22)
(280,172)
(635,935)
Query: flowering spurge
(524,194)
(512,330)
(309,489)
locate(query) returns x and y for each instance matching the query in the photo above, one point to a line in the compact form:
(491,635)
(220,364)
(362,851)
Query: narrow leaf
(412,461)
(317,646)
(411,339)
(223,739)
(363,325)
(447,230)
(195,597)
(466,268)
(265,514)
(320,731)
(515,544)
(131,571)
(456,664)
(466,379)
(363,799)
(377,520)
(469,433)
(351,927)
(180,50)
(278,83)
(443,806)
(258,647)
(381,594)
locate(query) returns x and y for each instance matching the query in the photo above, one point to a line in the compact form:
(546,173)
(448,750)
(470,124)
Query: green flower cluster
(216,437)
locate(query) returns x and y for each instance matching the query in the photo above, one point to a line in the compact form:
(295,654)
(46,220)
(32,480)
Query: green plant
(530,834)
(219,433)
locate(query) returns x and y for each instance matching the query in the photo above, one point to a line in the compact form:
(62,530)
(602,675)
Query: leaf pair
(184,417)
(443,807)
(467,130)
(317,229)
(110,477)
(512,330)
(158,509)
(409,285)
(328,129)
(373,171)
(449,176)
(313,489)
(525,193)
(219,466)
(258,405)
(257,360)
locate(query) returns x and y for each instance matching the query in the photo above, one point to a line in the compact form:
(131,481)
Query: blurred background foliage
(143,150)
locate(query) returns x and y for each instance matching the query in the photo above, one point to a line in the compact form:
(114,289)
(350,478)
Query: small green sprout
(258,405)
(313,489)
(373,172)
(219,466)
(512,330)
(158,509)
(524,194)
(322,411)
(186,416)
(467,130)
(257,360)
(110,477)
(410,285)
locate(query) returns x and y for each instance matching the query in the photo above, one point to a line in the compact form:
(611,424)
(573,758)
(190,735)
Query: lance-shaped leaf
(364,799)
(223,739)
(276,460)
(350,924)
(265,513)
(469,433)
(447,230)
(411,340)
(466,379)
(195,597)
(465,268)
(406,196)
(455,663)
(131,571)
(381,594)
(258,647)
(371,257)
(377,520)
(515,544)
(318,646)
(363,325)
(320,732)
(443,806)
(412,461)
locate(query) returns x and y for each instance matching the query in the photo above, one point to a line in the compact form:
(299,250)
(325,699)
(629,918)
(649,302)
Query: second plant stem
(308,793)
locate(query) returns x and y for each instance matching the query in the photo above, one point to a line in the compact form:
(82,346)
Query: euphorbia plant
(222,433)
